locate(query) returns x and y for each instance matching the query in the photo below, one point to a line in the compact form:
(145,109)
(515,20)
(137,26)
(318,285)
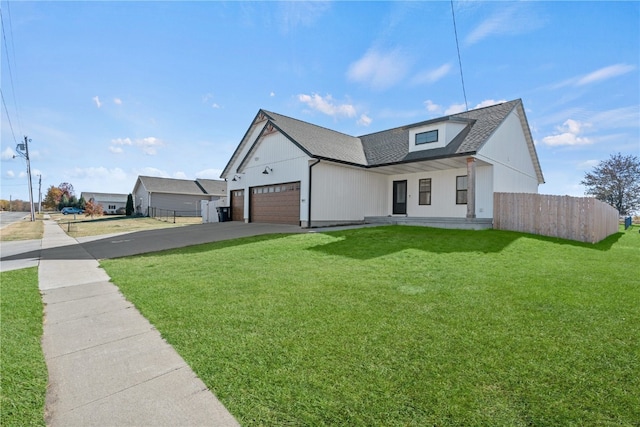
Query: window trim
(426,192)
(460,191)
(429,132)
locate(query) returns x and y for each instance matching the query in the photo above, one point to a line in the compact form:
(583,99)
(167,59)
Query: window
(427,137)
(461,190)
(424,192)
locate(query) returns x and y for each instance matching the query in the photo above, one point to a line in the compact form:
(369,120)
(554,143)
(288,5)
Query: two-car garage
(277,203)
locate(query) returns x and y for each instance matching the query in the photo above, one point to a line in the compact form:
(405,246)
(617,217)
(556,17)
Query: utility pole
(39,194)
(23,151)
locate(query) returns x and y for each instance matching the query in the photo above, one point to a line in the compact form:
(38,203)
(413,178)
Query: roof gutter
(309,195)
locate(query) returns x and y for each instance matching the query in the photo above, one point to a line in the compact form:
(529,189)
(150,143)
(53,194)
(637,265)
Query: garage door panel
(237,205)
(279,203)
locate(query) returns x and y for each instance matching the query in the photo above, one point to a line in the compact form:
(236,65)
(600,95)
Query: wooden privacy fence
(584,219)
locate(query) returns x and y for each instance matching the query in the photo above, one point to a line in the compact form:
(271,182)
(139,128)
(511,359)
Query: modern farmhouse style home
(441,172)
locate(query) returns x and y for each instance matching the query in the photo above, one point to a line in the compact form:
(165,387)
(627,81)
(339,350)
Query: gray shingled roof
(213,187)
(392,146)
(170,185)
(320,142)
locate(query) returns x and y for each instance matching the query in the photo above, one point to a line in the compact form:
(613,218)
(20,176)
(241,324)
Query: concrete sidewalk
(107,365)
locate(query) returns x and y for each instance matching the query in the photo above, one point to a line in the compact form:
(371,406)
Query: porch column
(471,187)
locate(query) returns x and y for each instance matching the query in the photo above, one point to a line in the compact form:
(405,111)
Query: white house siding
(443,194)
(342,194)
(248,143)
(287,163)
(484,192)
(506,149)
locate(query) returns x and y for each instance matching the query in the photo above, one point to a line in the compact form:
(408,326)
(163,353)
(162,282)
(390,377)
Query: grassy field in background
(83,226)
(23,373)
(403,326)
(23,230)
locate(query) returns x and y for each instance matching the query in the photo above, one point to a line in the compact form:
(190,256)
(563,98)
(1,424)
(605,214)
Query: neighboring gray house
(110,202)
(154,196)
(440,171)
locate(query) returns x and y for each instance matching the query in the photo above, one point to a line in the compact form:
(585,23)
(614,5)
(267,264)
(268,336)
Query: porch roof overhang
(427,165)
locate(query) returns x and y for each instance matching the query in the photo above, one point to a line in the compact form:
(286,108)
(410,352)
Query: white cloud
(206,99)
(209,174)
(179,175)
(272,94)
(380,70)
(364,120)
(431,106)
(489,103)
(327,105)
(509,20)
(623,117)
(150,171)
(432,76)
(122,141)
(117,101)
(568,134)
(605,73)
(599,75)
(7,154)
(148,145)
(96,100)
(10,174)
(459,108)
(99,173)
(454,109)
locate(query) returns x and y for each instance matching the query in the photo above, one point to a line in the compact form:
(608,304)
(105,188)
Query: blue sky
(108,91)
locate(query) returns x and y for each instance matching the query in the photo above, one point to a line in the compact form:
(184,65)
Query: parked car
(69,210)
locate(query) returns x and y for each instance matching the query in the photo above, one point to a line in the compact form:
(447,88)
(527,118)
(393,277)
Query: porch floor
(459,223)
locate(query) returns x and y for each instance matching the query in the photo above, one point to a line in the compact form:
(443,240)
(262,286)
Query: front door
(400,197)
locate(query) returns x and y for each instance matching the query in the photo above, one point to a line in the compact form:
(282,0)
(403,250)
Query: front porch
(458,223)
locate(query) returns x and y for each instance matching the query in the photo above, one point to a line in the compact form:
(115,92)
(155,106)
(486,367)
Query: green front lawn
(23,372)
(403,326)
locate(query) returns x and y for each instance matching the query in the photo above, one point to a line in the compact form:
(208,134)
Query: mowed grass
(403,326)
(83,226)
(23,230)
(23,372)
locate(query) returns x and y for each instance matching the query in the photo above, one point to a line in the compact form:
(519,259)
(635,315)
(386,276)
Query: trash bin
(224,214)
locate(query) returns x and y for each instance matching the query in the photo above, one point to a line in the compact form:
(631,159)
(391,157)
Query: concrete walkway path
(107,365)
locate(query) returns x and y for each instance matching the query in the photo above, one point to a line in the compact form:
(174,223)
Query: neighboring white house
(437,171)
(152,195)
(110,202)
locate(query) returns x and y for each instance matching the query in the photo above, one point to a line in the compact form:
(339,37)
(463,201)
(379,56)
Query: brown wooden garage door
(237,205)
(279,203)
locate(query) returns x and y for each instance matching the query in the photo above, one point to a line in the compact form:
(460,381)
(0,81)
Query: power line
(8,118)
(6,47)
(455,31)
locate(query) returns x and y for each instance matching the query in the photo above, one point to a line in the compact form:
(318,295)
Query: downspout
(309,194)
